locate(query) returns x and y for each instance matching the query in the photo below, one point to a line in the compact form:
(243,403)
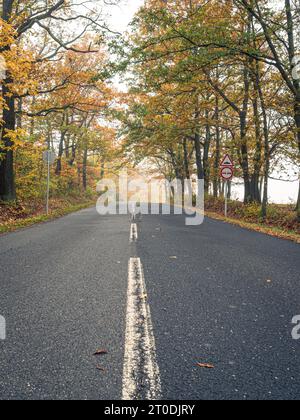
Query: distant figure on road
(133,212)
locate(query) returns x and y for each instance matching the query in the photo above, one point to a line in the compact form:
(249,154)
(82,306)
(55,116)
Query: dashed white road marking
(141,376)
(133,232)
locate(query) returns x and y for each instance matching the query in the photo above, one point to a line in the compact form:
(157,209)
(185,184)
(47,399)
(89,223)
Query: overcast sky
(121,15)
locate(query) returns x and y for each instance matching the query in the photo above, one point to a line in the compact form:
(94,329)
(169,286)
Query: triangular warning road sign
(227,161)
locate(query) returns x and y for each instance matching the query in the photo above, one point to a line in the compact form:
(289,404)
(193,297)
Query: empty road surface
(159,297)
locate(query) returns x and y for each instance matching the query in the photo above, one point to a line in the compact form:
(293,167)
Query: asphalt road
(215,294)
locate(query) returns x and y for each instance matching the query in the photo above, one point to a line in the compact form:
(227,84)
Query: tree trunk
(243,129)
(186,160)
(296,81)
(216,182)
(245,159)
(7,176)
(297,120)
(206,165)
(19,121)
(61,145)
(200,171)
(102,168)
(32,122)
(60,154)
(266,151)
(187,172)
(84,168)
(73,154)
(199,164)
(255,190)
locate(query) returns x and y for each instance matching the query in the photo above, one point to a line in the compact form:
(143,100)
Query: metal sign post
(48,157)
(48,183)
(226,198)
(227,168)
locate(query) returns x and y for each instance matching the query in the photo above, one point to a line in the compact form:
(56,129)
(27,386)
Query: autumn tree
(217,54)
(40,25)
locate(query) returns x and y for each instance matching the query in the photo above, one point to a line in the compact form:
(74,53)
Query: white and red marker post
(227,172)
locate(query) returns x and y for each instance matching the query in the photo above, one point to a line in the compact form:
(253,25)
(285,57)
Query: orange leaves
(16,137)
(7,34)
(205,366)
(72,83)
(18,61)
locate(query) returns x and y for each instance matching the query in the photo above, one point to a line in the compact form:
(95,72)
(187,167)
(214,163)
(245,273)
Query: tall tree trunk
(245,159)
(199,162)
(255,189)
(187,173)
(175,165)
(7,176)
(206,165)
(32,122)
(61,144)
(200,171)
(19,121)
(102,168)
(296,81)
(243,126)
(67,148)
(73,153)
(186,160)
(84,167)
(297,119)
(216,182)
(60,154)
(265,200)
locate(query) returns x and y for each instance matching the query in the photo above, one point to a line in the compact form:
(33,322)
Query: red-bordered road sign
(227,173)
(227,162)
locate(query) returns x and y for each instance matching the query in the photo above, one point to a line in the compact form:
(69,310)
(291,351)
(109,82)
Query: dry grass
(281,220)
(16,216)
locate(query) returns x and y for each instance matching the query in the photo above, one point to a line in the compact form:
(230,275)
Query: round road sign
(49,156)
(227,173)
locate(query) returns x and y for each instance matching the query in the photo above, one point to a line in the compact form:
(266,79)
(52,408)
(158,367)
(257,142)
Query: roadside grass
(17,216)
(281,221)
(258,227)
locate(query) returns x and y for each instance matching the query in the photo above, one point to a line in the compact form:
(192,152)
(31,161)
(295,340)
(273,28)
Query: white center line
(141,376)
(133,233)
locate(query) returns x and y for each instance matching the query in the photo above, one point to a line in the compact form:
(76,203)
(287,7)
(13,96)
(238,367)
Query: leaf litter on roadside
(100,352)
(205,366)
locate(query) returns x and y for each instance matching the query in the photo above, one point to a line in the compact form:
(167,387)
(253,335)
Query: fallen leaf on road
(173,258)
(100,352)
(205,366)
(100,368)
